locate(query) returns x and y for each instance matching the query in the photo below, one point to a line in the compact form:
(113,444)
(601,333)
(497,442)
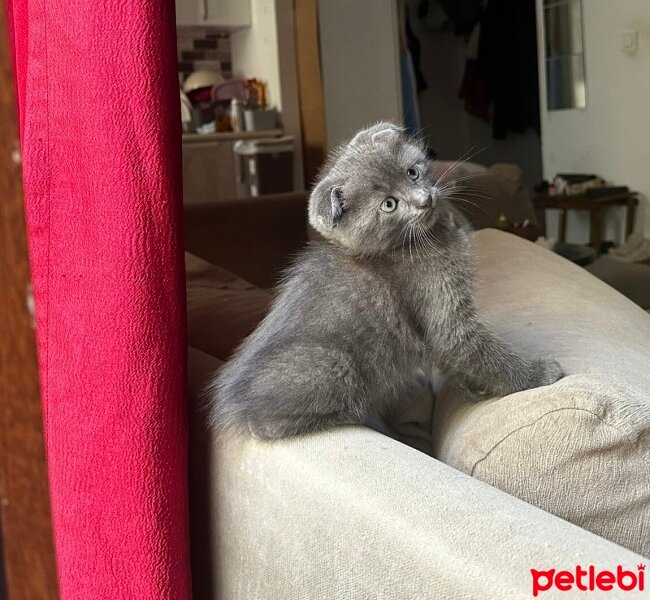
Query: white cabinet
(186,12)
(233,14)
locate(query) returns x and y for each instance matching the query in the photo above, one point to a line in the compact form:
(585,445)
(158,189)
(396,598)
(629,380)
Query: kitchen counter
(230,136)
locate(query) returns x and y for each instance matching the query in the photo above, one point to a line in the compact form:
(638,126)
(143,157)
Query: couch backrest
(485,193)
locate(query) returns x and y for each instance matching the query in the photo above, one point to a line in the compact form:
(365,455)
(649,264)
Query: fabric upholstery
(353,514)
(222,308)
(200,367)
(98,101)
(579,448)
(631,279)
(486,193)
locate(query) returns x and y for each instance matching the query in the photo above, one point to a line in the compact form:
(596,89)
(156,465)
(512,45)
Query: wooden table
(595,205)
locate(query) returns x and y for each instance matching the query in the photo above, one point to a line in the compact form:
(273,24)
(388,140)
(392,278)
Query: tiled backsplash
(203,48)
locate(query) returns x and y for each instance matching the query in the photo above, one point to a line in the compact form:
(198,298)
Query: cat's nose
(427,202)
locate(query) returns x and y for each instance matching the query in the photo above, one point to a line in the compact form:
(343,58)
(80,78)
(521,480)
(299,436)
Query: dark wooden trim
(310,87)
(24,503)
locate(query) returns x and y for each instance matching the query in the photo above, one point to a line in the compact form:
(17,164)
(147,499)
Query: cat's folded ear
(326,205)
(377,134)
(383,136)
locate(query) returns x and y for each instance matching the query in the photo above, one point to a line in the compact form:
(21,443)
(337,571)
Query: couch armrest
(353,514)
(253,237)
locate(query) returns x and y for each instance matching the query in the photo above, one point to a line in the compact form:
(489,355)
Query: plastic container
(264,166)
(236,115)
(260,119)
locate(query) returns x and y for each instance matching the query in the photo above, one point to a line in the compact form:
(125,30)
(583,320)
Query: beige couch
(354,514)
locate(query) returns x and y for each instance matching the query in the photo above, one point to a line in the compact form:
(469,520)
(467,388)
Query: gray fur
(362,318)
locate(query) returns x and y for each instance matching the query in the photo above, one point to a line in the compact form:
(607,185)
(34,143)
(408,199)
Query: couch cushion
(484,194)
(222,308)
(200,369)
(579,448)
(631,279)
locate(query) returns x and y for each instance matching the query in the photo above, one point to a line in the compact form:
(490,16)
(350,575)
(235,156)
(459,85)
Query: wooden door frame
(310,87)
(26,530)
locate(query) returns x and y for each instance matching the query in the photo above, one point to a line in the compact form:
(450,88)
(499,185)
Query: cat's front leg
(483,363)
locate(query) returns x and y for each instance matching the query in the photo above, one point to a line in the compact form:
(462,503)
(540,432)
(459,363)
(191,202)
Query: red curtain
(98,103)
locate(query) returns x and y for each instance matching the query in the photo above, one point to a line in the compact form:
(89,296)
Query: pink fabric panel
(98,99)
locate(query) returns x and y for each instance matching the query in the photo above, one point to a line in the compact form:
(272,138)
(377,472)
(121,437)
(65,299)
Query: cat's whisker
(462,160)
(472,190)
(418,240)
(465,177)
(454,186)
(461,191)
(455,183)
(461,199)
(428,244)
(464,209)
(479,205)
(433,239)
(424,237)
(451,167)
(474,195)
(403,234)
(424,241)
(401,240)
(414,136)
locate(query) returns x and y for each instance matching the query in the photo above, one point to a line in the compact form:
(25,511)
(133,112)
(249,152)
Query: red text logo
(589,579)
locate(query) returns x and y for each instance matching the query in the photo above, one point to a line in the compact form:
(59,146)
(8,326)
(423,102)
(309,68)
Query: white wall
(360,64)
(611,137)
(266,50)
(254,50)
(451,129)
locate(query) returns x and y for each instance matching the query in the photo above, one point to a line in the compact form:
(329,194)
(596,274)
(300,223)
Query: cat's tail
(227,404)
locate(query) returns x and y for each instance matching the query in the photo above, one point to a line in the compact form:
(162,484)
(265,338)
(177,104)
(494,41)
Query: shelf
(229,136)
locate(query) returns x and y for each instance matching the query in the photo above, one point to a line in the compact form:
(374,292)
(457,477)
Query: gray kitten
(362,318)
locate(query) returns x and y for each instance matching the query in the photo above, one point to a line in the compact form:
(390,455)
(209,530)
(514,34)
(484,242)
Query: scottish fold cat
(362,318)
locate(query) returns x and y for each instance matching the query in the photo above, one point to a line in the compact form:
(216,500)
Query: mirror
(564,55)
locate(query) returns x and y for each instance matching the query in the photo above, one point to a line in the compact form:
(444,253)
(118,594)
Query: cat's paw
(474,391)
(546,372)
(267,432)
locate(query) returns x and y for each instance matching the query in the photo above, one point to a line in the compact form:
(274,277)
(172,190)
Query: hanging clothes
(413,45)
(408,80)
(464,14)
(507,65)
(472,90)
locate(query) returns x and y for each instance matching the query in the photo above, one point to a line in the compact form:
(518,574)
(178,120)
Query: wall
(611,136)
(254,50)
(360,65)
(451,130)
(203,48)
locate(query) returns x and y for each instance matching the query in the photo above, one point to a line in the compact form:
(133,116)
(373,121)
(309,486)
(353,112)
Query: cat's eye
(389,205)
(413,173)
